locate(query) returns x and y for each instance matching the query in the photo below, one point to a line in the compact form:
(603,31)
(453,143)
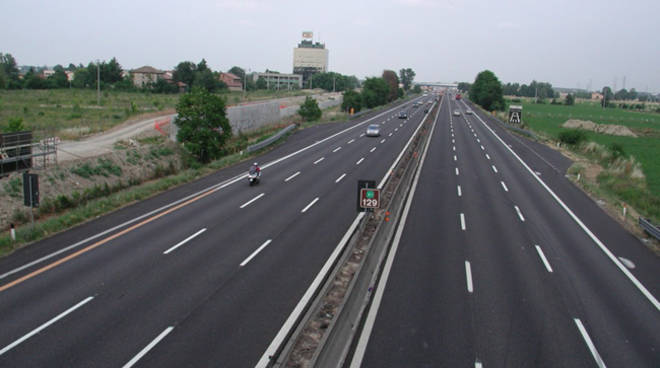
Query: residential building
(309,58)
(232,81)
(596,96)
(146,75)
(280,81)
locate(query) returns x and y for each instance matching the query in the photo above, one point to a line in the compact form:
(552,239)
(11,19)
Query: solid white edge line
(339,178)
(577,220)
(468,277)
(252,200)
(45,325)
(146,349)
(458,188)
(545,260)
(254,254)
(520,215)
(319,160)
(363,341)
(292,176)
(184,241)
(585,335)
(359,161)
(309,205)
(463,222)
(309,293)
(504,186)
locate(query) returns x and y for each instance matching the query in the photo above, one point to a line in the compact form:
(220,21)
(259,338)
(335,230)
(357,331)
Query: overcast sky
(573,43)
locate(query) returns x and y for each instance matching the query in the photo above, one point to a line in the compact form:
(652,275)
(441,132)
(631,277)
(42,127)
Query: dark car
(403,114)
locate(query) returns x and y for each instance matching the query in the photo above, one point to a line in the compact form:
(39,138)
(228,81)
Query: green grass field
(547,118)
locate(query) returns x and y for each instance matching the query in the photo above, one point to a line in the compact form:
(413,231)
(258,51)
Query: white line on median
(462,222)
(520,215)
(254,254)
(359,161)
(336,149)
(45,325)
(494,168)
(504,186)
(309,205)
(458,189)
(292,176)
(468,276)
(252,200)
(545,260)
(319,160)
(339,178)
(184,241)
(599,361)
(148,347)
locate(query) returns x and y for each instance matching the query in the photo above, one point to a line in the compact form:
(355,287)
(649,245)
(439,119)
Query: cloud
(507,25)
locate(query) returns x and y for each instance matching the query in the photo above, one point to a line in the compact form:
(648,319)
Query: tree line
(378,91)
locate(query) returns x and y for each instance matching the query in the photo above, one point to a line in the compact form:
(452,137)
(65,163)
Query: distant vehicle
(458,96)
(426,94)
(457,113)
(373,130)
(426,109)
(468,111)
(403,114)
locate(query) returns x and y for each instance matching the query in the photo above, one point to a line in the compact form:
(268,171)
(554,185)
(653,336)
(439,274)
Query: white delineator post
(12,232)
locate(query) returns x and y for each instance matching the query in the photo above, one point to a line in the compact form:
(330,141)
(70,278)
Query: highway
(202,275)
(501,262)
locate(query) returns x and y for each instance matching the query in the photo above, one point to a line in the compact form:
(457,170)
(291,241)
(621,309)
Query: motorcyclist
(255,169)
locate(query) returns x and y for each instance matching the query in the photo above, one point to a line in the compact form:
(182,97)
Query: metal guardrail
(649,228)
(270,140)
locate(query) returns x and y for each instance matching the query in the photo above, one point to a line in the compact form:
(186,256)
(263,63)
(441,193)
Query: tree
(374,92)
(570,99)
(487,91)
(607,96)
(34,81)
(58,79)
(393,84)
(310,110)
(185,73)
(208,80)
(464,86)
(261,83)
(203,127)
(201,67)
(237,71)
(9,71)
(407,76)
(351,100)
(417,89)
(111,72)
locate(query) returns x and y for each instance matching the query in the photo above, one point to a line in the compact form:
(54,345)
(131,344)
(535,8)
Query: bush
(572,137)
(616,149)
(310,110)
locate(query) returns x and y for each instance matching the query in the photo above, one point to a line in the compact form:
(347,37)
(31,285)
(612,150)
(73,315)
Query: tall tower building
(309,57)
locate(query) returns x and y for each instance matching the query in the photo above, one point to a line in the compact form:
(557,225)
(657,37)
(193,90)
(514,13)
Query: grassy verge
(615,182)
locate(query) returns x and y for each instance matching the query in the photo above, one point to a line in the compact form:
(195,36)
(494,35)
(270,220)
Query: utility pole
(98,82)
(333,82)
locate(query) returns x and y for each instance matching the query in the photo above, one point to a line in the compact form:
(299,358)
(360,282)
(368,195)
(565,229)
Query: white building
(310,58)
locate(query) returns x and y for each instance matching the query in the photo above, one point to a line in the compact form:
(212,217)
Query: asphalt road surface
(492,270)
(203,275)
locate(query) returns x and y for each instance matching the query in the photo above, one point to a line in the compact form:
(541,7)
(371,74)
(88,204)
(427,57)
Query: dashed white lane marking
(373,149)
(382,141)
(453,141)
(254,254)
(545,260)
(468,276)
(599,361)
(389,135)
(45,325)
(184,241)
(396,129)
(504,186)
(146,349)
(455,158)
(339,178)
(292,176)
(252,200)
(462,222)
(454,148)
(336,149)
(478,140)
(458,189)
(319,160)
(351,141)
(494,168)
(477,364)
(309,205)
(520,215)
(457,171)
(487,157)
(361,135)
(482,148)
(359,161)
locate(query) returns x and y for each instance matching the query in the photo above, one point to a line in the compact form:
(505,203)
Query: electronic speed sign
(369,198)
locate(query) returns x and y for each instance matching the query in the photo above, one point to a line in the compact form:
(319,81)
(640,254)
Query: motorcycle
(254,176)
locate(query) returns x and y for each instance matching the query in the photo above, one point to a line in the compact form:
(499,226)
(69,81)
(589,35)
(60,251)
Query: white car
(457,113)
(373,130)
(468,111)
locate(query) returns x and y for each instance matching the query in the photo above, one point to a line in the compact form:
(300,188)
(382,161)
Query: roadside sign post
(366,184)
(369,199)
(515,114)
(31,193)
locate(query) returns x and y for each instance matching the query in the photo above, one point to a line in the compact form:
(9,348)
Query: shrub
(310,110)
(572,137)
(616,149)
